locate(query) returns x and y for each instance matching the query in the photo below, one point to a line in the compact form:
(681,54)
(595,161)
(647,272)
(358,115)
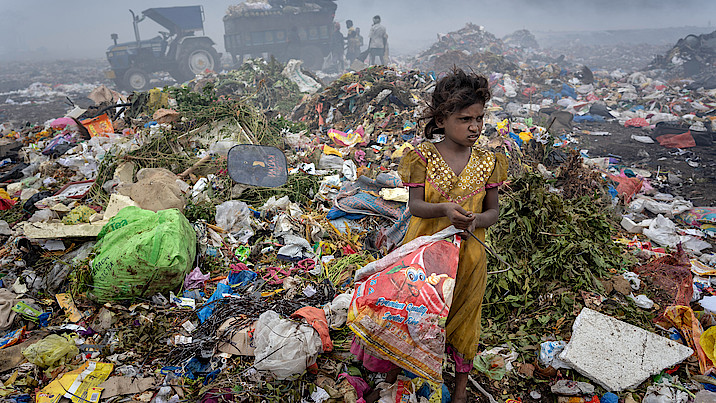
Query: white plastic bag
(549,354)
(284,347)
(235,217)
(337,310)
(662,231)
(304,82)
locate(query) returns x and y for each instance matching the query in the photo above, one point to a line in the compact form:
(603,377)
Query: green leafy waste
(557,248)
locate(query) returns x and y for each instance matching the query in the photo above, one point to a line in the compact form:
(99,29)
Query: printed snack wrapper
(80,385)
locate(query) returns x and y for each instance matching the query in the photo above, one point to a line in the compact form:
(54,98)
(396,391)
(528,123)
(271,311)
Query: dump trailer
(285,29)
(180,51)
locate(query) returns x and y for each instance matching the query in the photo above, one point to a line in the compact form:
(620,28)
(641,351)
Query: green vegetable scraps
(564,246)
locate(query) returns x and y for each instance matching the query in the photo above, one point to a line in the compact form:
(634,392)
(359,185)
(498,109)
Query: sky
(82,28)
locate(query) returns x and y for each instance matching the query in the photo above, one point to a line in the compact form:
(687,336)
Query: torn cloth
(684,140)
(317,319)
(362,197)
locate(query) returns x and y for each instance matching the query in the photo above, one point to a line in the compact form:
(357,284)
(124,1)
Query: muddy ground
(699,183)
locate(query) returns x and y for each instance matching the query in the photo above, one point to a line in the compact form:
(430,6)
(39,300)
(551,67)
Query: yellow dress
(424,166)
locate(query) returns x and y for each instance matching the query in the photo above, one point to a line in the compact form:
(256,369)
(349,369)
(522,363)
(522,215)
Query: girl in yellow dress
(453,182)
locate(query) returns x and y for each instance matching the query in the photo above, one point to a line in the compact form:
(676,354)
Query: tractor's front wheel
(136,80)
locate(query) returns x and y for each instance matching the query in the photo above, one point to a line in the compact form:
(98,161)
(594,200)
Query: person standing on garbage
(451,181)
(338,45)
(353,42)
(377,42)
(293,44)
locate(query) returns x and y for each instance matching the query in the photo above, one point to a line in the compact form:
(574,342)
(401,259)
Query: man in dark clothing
(338,45)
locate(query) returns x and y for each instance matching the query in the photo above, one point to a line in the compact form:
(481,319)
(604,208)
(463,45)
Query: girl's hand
(460,218)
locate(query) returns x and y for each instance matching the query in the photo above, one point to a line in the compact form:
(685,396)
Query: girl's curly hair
(454,92)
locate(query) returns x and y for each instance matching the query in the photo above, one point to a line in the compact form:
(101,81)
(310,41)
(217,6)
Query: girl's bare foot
(372,396)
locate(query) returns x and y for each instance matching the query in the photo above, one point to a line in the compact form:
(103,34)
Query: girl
(452,182)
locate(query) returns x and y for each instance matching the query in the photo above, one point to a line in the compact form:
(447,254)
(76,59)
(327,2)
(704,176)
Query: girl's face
(464,126)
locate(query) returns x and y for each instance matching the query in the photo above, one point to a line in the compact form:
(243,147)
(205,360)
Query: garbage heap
(692,57)
(378,99)
(267,85)
(266,7)
(521,38)
(134,267)
(470,47)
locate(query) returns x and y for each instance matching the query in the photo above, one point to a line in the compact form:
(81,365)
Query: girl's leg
(460,394)
(462,371)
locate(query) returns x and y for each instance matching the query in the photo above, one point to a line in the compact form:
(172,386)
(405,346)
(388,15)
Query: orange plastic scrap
(627,186)
(683,318)
(671,273)
(684,140)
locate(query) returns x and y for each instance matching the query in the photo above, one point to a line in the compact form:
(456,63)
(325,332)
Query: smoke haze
(82,28)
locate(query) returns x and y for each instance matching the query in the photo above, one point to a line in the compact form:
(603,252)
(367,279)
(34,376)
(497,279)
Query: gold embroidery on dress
(471,180)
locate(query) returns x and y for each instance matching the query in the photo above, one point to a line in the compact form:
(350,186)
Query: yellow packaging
(80,385)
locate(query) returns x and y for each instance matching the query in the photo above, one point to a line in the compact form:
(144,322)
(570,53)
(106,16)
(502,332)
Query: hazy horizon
(82,28)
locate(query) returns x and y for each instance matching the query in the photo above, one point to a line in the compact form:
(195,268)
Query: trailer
(284,29)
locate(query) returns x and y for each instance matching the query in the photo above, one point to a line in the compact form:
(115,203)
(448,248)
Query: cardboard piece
(236,342)
(11,357)
(54,230)
(68,305)
(48,230)
(126,385)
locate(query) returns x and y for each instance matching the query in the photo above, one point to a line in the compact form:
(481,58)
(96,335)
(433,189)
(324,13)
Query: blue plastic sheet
(588,118)
(241,278)
(335,213)
(568,91)
(208,308)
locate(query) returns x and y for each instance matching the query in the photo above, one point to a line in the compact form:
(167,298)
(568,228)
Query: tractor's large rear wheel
(195,59)
(312,58)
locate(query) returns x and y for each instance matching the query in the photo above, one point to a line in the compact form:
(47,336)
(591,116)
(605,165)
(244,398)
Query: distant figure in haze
(378,42)
(338,44)
(293,44)
(353,42)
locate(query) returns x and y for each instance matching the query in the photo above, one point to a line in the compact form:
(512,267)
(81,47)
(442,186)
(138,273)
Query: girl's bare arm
(490,210)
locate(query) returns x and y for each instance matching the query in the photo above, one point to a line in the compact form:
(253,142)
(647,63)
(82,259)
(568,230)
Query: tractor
(180,52)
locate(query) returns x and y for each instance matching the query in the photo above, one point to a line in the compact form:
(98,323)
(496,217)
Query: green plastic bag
(141,253)
(52,351)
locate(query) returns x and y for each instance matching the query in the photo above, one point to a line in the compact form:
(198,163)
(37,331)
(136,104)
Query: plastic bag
(52,351)
(662,231)
(400,310)
(284,347)
(235,217)
(337,310)
(708,343)
(304,82)
(142,253)
(549,354)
